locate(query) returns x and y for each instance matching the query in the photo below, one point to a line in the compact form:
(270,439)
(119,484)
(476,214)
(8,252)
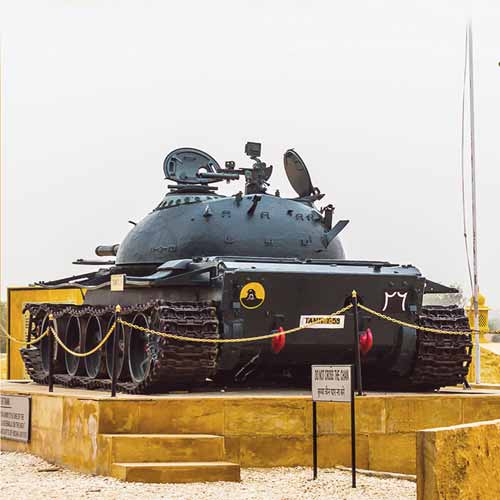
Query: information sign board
(332,383)
(15,421)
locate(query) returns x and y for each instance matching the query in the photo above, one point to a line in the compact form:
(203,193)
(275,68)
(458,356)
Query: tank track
(33,364)
(442,360)
(171,364)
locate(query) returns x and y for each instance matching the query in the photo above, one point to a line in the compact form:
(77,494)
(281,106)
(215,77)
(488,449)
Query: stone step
(164,447)
(176,472)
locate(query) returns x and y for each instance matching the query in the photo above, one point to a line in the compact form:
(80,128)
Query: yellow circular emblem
(252,295)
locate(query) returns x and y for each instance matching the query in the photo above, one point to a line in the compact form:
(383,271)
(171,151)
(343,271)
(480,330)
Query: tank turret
(194,221)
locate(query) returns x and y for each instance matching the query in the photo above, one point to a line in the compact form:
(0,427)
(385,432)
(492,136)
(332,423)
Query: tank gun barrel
(107,250)
(222,176)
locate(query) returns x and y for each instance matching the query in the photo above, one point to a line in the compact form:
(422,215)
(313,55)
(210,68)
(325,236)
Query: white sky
(96,93)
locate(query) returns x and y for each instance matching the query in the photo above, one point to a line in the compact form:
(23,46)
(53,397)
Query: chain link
(88,353)
(229,341)
(25,342)
(239,340)
(410,325)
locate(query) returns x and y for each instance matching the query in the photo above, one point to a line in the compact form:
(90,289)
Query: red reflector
(278,342)
(365,341)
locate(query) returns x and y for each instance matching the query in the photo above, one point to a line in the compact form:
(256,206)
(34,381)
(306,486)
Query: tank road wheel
(139,353)
(163,364)
(146,362)
(74,334)
(122,371)
(95,363)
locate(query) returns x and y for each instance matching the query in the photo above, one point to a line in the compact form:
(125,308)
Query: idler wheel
(73,339)
(139,356)
(122,372)
(44,347)
(95,363)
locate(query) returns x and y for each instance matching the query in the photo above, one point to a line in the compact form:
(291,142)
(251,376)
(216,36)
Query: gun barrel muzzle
(107,250)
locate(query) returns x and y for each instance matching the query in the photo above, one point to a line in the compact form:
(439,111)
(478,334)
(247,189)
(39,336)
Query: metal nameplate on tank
(322,321)
(117,282)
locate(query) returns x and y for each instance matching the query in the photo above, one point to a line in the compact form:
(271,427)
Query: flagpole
(474,209)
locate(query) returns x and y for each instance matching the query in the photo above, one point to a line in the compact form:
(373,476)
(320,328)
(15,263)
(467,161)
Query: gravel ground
(24,476)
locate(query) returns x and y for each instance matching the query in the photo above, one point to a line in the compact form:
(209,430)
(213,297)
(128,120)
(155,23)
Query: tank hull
(251,297)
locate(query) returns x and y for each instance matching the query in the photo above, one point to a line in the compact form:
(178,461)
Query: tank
(209,266)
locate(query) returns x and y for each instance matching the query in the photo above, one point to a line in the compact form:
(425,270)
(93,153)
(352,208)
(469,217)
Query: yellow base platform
(204,436)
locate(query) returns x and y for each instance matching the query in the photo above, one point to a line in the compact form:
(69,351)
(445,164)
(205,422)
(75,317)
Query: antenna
(475,293)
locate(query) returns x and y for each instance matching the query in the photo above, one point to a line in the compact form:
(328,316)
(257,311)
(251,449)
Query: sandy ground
(492,346)
(24,476)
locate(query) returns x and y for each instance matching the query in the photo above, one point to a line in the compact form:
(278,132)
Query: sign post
(353,437)
(315,443)
(333,383)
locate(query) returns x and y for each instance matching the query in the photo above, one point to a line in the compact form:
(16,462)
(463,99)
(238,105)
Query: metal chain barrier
(170,335)
(419,327)
(238,340)
(88,353)
(26,342)
(229,341)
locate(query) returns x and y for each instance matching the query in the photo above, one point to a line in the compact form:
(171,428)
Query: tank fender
(433,287)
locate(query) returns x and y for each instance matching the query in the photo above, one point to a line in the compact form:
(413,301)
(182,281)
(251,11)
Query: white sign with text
(332,383)
(321,321)
(117,282)
(15,417)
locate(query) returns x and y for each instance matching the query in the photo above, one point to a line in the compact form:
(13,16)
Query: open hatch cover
(182,165)
(297,173)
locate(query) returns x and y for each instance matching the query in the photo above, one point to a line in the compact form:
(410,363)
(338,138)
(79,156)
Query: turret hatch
(184,165)
(297,174)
